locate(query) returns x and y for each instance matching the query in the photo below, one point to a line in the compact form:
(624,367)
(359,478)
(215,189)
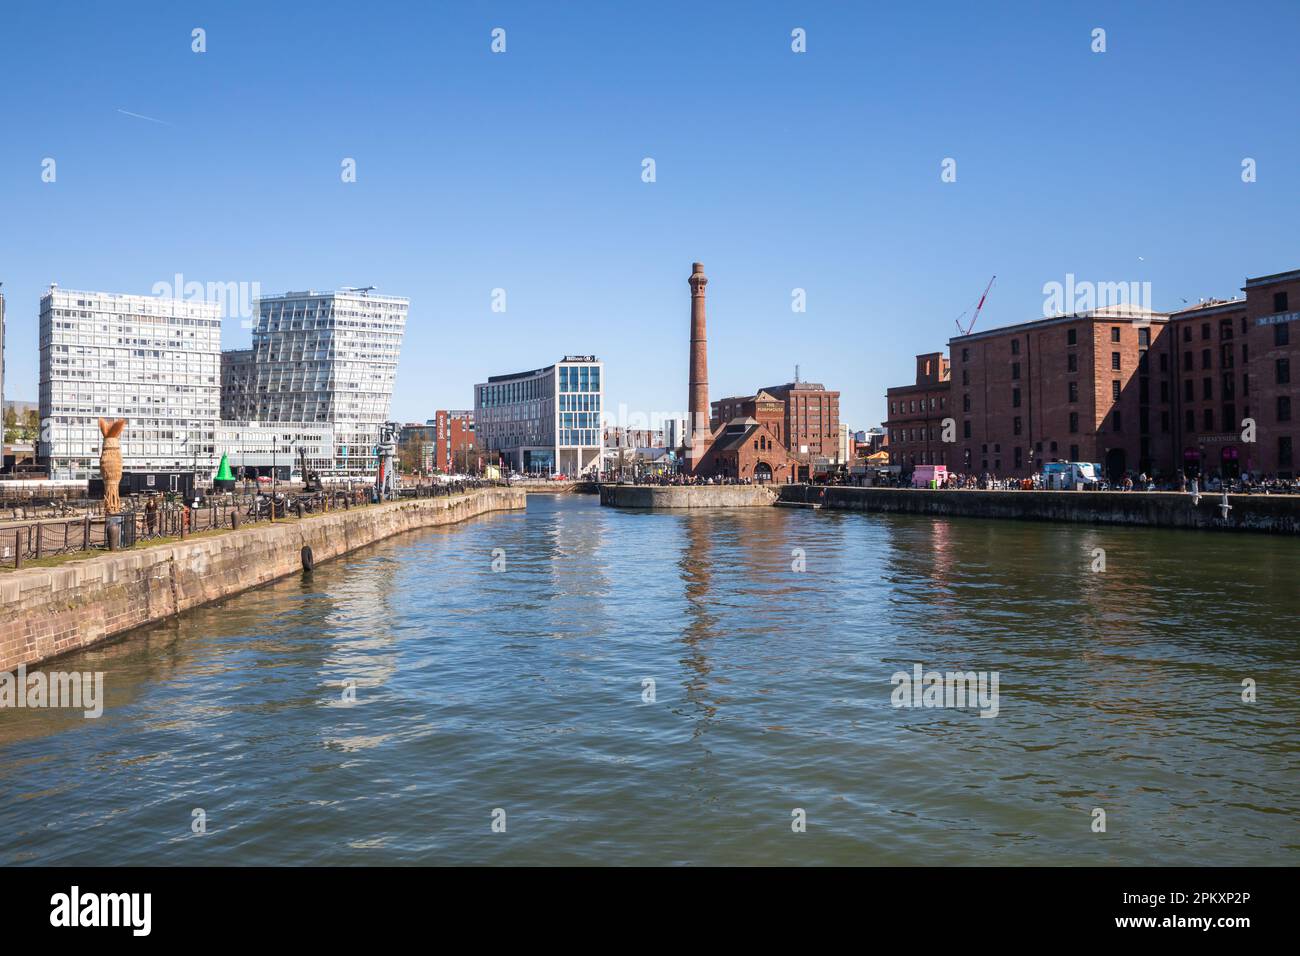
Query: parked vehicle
(929,476)
(1071,475)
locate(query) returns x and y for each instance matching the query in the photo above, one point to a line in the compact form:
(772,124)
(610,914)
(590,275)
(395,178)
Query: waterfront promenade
(1270,514)
(51,611)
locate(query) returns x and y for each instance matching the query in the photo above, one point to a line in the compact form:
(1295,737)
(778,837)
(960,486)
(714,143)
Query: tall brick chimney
(698,398)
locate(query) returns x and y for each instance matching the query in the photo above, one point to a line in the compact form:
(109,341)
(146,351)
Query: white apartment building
(325,357)
(155,362)
(545,421)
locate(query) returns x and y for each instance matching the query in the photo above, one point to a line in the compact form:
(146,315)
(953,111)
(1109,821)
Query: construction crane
(966,330)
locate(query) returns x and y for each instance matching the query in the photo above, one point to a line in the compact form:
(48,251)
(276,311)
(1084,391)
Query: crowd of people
(1244,484)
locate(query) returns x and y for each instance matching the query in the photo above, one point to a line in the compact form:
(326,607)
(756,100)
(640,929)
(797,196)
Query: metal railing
(143,521)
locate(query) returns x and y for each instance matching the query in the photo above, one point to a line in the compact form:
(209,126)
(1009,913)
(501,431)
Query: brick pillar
(698,398)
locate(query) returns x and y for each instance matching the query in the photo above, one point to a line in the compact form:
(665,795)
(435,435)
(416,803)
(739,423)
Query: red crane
(966,330)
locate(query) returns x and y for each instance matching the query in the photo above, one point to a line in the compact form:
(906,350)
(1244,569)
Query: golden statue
(110,462)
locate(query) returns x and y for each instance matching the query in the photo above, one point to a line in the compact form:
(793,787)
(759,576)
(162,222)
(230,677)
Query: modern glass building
(546,421)
(150,360)
(322,357)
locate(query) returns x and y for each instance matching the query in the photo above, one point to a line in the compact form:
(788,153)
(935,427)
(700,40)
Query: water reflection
(772,635)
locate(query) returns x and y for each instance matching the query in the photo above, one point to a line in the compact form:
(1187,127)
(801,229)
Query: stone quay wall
(1271,514)
(47,612)
(688,496)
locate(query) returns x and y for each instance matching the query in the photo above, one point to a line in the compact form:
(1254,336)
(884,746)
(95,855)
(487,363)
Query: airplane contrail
(143,117)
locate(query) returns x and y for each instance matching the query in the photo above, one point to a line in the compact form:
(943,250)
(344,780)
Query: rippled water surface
(523,690)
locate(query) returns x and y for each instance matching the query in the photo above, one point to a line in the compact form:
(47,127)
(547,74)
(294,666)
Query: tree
(11,429)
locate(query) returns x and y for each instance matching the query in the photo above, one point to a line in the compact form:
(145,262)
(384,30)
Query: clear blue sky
(523,171)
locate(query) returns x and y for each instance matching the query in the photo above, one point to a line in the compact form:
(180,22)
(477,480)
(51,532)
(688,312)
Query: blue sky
(522,171)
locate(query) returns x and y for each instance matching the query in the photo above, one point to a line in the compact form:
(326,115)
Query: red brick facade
(1273,318)
(456,449)
(914,429)
(1076,387)
(810,426)
(747,449)
(1131,390)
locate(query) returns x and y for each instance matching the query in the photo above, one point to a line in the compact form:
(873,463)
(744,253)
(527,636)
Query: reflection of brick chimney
(698,398)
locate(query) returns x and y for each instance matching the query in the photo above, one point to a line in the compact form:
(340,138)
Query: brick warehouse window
(1015,346)
(1114,333)
(1144,338)
(965,403)
(1072,337)
(1116,422)
(1284,450)
(1114,361)
(1074,429)
(1015,370)
(1016,427)
(1187,333)
(1282,369)
(1074,453)
(1189,421)
(1015,398)
(1284,408)
(1072,362)
(965,430)
(1279,302)
(965,355)
(1074,391)
(1209,419)
(1114,390)
(1205,358)
(1281,334)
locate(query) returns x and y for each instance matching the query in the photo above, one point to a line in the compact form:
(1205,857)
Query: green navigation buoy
(223,472)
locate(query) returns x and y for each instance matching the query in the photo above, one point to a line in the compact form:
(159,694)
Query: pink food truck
(929,476)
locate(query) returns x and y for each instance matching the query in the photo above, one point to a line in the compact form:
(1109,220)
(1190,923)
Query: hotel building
(153,361)
(545,421)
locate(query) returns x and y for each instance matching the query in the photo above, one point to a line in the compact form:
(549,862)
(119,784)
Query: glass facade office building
(545,421)
(322,357)
(155,362)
